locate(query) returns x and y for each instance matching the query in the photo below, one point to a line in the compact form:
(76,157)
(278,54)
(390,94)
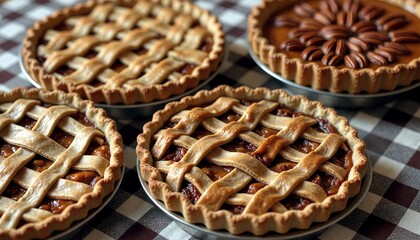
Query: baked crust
(252,221)
(46,225)
(116,92)
(322,77)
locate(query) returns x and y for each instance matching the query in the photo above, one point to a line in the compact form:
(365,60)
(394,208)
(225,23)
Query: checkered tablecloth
(391,208)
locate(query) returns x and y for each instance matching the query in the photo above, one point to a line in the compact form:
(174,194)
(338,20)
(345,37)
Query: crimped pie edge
(102,188)
(258,225)
(328,78)
(127,96)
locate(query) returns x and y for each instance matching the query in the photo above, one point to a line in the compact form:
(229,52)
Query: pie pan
(76,227)
(201,232)
(135,110)
(341,100)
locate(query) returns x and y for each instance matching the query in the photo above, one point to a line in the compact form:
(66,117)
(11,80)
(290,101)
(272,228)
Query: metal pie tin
(341,100)
(77,226)
(201,232)
(135,110)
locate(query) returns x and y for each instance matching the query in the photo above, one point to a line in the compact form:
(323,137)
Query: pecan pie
(251,160)
(124,51)
(59,158)
(341,46)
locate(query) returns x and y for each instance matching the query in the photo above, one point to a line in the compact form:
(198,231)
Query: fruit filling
(39,163)
(329,183)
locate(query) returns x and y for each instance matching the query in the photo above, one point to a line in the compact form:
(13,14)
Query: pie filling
(329,183)
(39,164)
(349,33)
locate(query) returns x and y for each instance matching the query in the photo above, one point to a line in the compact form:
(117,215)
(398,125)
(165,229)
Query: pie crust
(124,51)
(60,157)
(198,156)
(369,66)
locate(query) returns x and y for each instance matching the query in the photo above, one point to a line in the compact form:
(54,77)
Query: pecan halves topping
(363,26)
(286,21)
(351,6)
(396,48)
(331,59)
(334,31)
(373,37)
(371,12)
(376,58)
(402,36)
(311,39)
(356,60)
(292,45)
(325,17)
(304,10)
(310,24)
(392,21)
(349,33)
(312,53)
(297,32)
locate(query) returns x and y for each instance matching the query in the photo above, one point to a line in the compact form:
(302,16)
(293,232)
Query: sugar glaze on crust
(322,77)
(254,222)
(129,93)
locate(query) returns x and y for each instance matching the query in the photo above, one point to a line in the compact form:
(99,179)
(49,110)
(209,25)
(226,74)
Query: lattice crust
(124,51)
(22,217)
(263,210)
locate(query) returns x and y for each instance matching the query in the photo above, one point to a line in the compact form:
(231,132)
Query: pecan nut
(331,59)
(376,58)
(373,37)
(360,43)
(383,20)
(341,47)
(297,32)
(310,24)
(312,53)
(361,59)
(285,21)
(370,12)
(351,6)
(403,36)
(305,37)
(350,19)
(397,48)
(350,62)
(394,24)
(304,10)
(292,45)
(363,26)
(329,46)
(390,57)
(334,32)
(325,18)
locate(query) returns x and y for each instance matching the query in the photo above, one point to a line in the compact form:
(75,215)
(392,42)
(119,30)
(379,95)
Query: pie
(347,46)
(59,158)
(124,52)
(255,160)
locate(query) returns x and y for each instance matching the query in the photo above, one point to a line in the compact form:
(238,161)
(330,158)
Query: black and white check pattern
(391,209)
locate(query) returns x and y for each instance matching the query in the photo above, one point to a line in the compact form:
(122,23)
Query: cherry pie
(254,160)
(59,158)
(124,52)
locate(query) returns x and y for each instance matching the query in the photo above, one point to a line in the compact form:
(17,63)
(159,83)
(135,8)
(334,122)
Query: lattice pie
(59,158)
(124,52)
(251,160)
